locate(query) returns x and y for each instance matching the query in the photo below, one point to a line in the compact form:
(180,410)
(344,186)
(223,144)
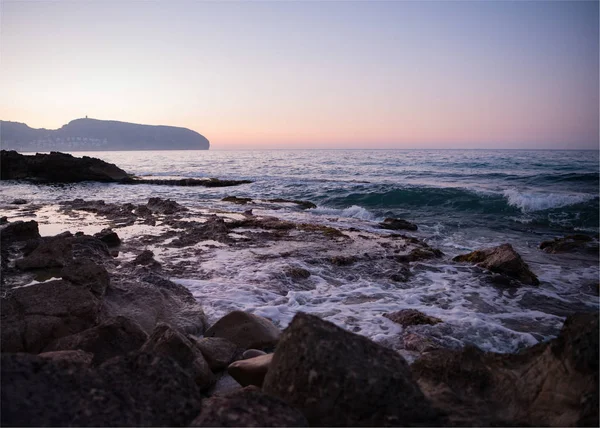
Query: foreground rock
(58,168)
(217,352)
(251,371)
(133,390)
(408,317)
(246,330)
(571,244)
(248,408)
(550,384)
(337,378)
(502,259)
(397,224)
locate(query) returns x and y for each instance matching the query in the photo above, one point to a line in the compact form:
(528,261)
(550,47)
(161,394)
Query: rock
(224,385)
(149,299)
(218,352)
(3,219)
(51,252)
(418,343)
(297,272)
(246,330)
(115,336)
(251,371)
(168,342)
(19,202)
(343,260)
(58,168)
(549,384)
(77,356)
(408,317)
(109,237)
(164,206)
(571,244)
(502,259)
(418,254)
(146,258)
(248,408)
(337,378)
(305,205)
(236,200)
(401,275)
(87,273)
(19,231)
(133,390)
(34,316)
(203,182)
(397,224)
(251,353)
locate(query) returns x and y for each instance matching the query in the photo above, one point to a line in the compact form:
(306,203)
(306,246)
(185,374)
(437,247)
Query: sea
(461,200)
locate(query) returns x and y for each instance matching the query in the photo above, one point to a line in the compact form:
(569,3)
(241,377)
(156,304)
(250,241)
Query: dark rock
(3,220)
(401,275)
(305,205)
(218,352)
(408,317)
(146,258)
(77,356)
(109,237)
(245,330)
(236,200)
(397,224)
(502,259)
(418,343)
(164,206)
(116,336)
(337,378)
(57,168)
(418,254)
(87,273)
(297,272)
(248,408)
(51,252)
(343,260)
(330,232)
(19,202)
(19,231)
(549,384)
(34,316)
(251,353)
(168,342)
(133,390)
(251,371)
(211,182)
(571,244)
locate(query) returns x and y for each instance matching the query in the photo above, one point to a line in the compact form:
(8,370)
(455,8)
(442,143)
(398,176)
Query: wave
(354,211)
(530,201)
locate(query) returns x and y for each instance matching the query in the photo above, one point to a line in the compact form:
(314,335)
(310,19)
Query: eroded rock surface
(246,330)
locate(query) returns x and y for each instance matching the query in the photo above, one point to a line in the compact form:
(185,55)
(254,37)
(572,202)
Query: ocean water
(461,200)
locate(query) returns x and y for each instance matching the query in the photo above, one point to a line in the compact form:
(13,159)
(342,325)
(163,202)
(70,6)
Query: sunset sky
(311,74)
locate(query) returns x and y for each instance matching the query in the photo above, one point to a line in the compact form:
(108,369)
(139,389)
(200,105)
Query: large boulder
(502,259)
(169,342)
(248,407)
(550,384)
(571,244)
(133,390)
(337,378)
(109,237)
(246,330)
(407,317)
(19,231)
(88,274)
(251,371)
(218,352)
(58,167)
(34,316)
(115,336)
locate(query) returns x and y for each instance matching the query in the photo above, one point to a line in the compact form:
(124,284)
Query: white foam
(531,201)
(355,211)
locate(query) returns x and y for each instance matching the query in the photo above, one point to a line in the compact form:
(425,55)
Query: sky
(311,74)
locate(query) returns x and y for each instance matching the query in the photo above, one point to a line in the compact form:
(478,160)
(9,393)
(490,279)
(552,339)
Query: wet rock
(86,273)
(343,260)
(109,237)
(571,244)
(402,275)
(19,202)
(297,272)
(251,371)
(408,317)
(246,330)
(337,378)
(3,220)
(77,356)
(51,252)
(249,408)
(210,182)
(305,205)
(116,336)
(214,229)
(218,352)
(251,353)
(397,224)
(149,299)
(418,343)
(34,316)
(418,254)
(330,232)
(133,390)
(57,168)
(502,259)
(164,206)
(236,200)
(549,384)
(146,258)
(224,385)
(19,231)
(168,342)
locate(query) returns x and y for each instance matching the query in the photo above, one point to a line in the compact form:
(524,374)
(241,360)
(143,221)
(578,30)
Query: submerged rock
(164,206)
(236,200)
(502,259)
(571,244)
(246,330)
(337,378)
(251,371)
(408,317)
(248,407)
(109,237)
(397,224)
(19,201)
(550,384)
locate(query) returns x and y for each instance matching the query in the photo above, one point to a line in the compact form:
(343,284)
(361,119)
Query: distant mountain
(97,135)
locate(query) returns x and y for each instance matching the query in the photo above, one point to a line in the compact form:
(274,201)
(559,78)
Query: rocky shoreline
(95,333)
